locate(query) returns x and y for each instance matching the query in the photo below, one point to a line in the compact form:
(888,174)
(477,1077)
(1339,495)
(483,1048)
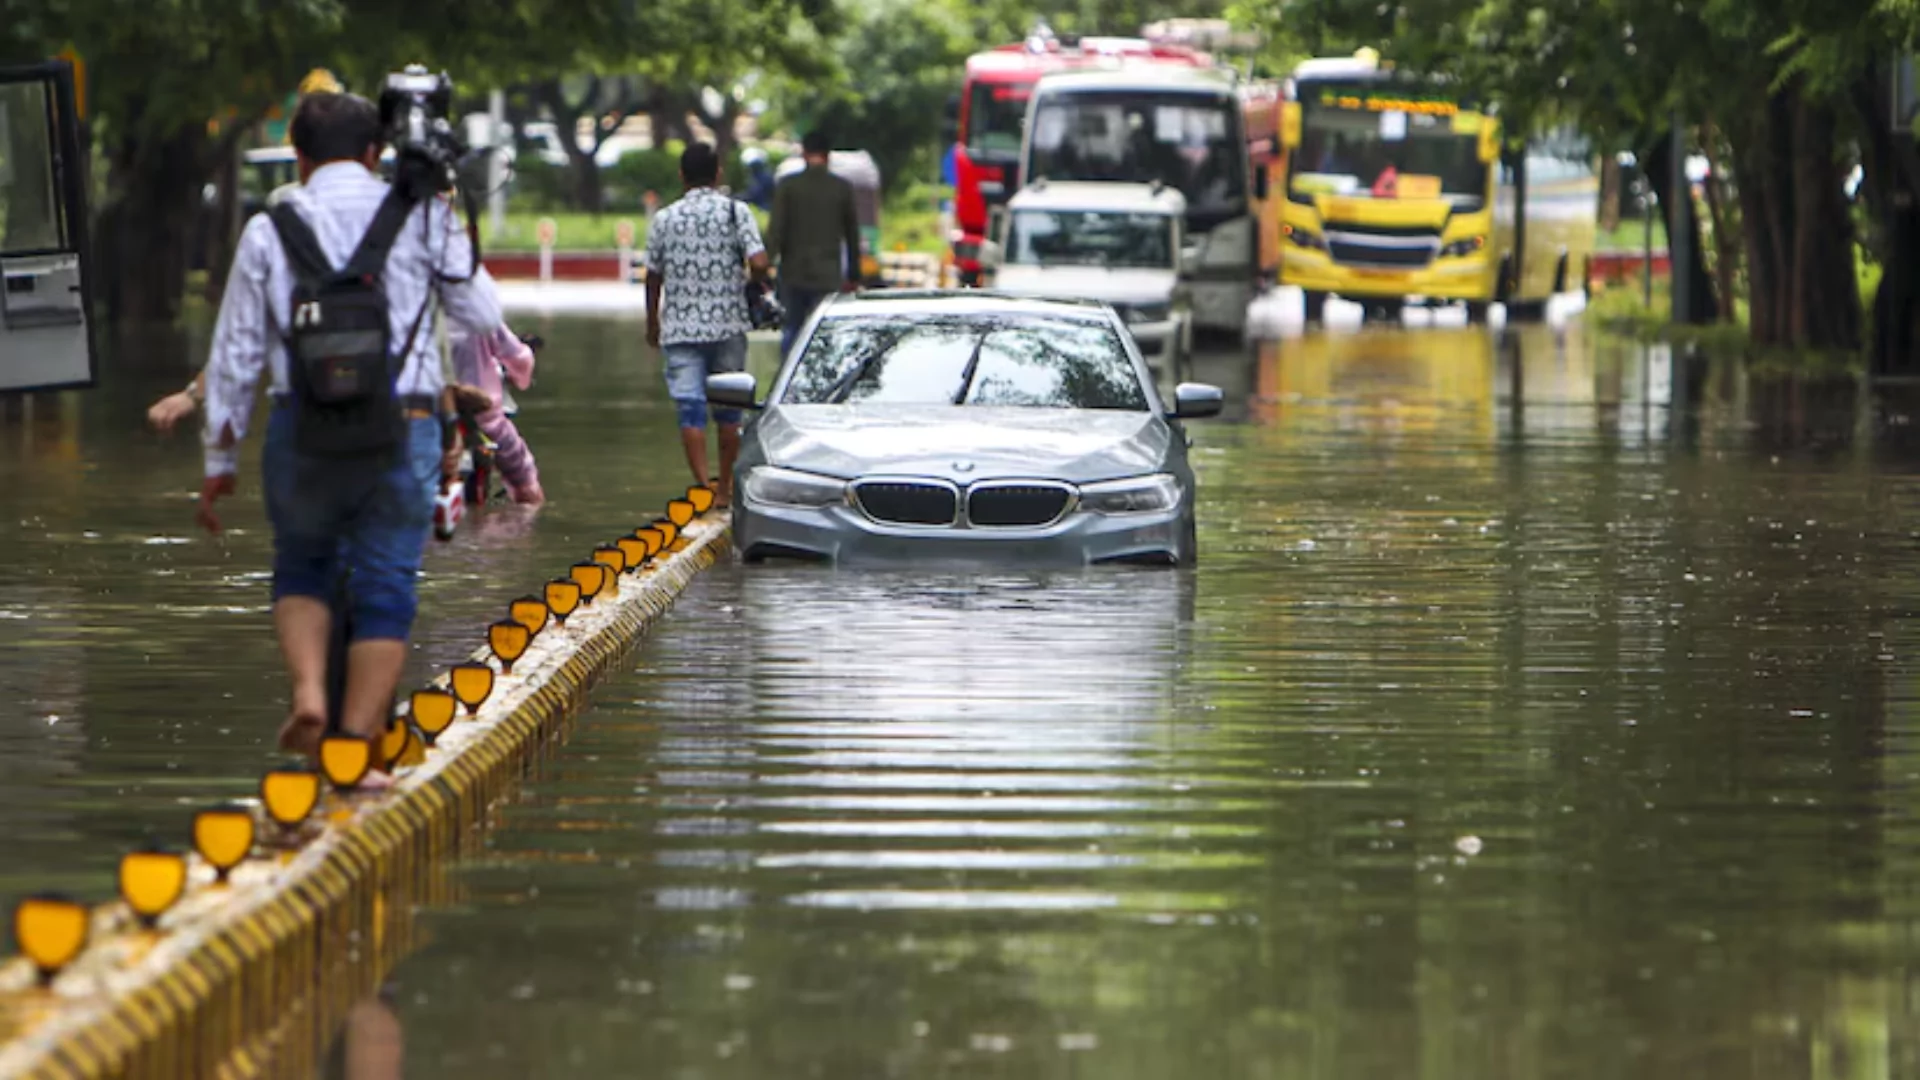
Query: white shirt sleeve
(241,341)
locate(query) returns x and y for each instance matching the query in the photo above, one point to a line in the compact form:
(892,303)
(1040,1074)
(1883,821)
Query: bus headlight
(785,487)
(1461,248)
(1135,495)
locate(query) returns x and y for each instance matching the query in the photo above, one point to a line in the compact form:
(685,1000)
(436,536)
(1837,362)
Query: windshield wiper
(843,386)
(973,365)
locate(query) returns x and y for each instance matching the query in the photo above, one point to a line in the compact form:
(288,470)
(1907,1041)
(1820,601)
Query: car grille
(1380,255)
(906,503)
(1011,505)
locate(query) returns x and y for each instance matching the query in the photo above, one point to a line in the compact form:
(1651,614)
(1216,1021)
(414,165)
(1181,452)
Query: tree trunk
(1609,193)
(1892,189)
(143,235)
(1826,293)
(587,192)
(1763,159)
(224,221)
(1726,243)
(1702,307)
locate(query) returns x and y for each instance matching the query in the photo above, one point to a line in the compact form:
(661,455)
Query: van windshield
(1091,238)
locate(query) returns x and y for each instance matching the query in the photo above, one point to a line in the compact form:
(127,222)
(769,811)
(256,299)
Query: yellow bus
(1400,188)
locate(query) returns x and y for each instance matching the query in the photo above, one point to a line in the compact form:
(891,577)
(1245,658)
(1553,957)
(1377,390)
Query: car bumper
(1445,279)
(843,534)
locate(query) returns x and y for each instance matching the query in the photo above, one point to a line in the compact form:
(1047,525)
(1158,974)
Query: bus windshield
(1389,155)
(1189,141)
(996,113)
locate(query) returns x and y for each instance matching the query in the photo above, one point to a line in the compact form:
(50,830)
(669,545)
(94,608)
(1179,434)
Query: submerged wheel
(1189,545)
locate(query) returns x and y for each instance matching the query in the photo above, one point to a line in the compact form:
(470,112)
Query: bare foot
(375,780)
(302,732)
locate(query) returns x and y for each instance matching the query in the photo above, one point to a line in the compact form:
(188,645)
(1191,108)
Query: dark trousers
(799,304)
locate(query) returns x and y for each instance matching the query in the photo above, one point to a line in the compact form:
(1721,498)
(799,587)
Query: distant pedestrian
(698,253)
(814,236)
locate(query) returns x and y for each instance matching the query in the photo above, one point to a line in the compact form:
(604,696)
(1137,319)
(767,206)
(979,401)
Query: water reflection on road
(1509,728)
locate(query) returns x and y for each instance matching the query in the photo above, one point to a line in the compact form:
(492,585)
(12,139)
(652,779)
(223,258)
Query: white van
(1115,242)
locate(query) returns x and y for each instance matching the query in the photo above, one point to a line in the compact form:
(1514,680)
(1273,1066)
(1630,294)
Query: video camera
(413,112)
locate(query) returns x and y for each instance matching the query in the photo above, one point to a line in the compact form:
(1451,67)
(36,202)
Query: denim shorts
(688,365)
(373,522)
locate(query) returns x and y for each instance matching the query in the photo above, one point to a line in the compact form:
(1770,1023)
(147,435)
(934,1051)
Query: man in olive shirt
(814,222)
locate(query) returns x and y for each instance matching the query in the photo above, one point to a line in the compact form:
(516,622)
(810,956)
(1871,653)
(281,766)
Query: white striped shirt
(338,202)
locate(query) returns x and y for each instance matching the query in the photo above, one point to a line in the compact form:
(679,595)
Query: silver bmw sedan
(913,426)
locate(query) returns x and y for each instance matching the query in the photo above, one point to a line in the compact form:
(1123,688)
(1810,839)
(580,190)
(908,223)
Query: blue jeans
(375,522)
(798,304)
(688,365)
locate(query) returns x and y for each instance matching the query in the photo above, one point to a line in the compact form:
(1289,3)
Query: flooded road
(1508,728)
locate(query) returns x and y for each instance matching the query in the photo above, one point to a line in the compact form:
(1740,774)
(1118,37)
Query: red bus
(992,112)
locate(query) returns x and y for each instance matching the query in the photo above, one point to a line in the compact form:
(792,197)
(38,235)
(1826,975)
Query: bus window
(46,339)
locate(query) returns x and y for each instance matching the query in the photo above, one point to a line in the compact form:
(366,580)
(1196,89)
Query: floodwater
(1513,725)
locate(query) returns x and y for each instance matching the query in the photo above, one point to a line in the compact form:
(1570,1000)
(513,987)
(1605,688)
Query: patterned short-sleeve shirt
(701,244)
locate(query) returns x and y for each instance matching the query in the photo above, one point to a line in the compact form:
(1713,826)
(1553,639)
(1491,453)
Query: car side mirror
(1194,401)
(732,390)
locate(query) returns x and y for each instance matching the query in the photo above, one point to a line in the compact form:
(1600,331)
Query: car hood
(964,443)
(1118,287)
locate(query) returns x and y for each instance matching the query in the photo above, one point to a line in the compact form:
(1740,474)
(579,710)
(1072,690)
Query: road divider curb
(251,976)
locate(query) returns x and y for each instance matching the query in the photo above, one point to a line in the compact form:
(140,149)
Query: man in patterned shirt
(698,252)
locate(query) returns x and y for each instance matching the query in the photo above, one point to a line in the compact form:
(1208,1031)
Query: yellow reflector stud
(472,684)
(563,596)
(223,835)
(345,759)
(530,612)
(669,532)
(290,794)
(655,540)
(701,498)
(633,549)
(591,577)
(508,640)
(50,930)
(610,557)
(151,881)
(433,711)
(680,512)
(393,741)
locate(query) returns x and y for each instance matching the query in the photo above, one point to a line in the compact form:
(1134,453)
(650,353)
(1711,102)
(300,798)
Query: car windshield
(1390,154)
(1189,141)
(1092,238)
(997,360)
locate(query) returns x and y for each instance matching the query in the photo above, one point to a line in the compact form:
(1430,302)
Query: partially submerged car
(1113,242)
(968,425)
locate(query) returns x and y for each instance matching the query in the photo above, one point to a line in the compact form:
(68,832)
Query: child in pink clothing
(478,361)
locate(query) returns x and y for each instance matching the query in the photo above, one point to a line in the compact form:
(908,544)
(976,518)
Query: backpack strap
(304,255)
(370,258)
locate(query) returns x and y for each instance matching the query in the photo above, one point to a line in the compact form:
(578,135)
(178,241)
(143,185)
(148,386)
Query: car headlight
(1304,238)
(1135,495)
(1459,248)
(774,486)
(1146,313)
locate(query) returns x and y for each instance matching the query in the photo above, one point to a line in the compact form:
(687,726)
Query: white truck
(1116,242)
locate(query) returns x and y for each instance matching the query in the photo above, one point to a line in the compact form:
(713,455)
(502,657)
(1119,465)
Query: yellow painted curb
(251,978)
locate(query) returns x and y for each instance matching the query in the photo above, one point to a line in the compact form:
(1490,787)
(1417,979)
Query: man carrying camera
(355,440)
(697,303)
